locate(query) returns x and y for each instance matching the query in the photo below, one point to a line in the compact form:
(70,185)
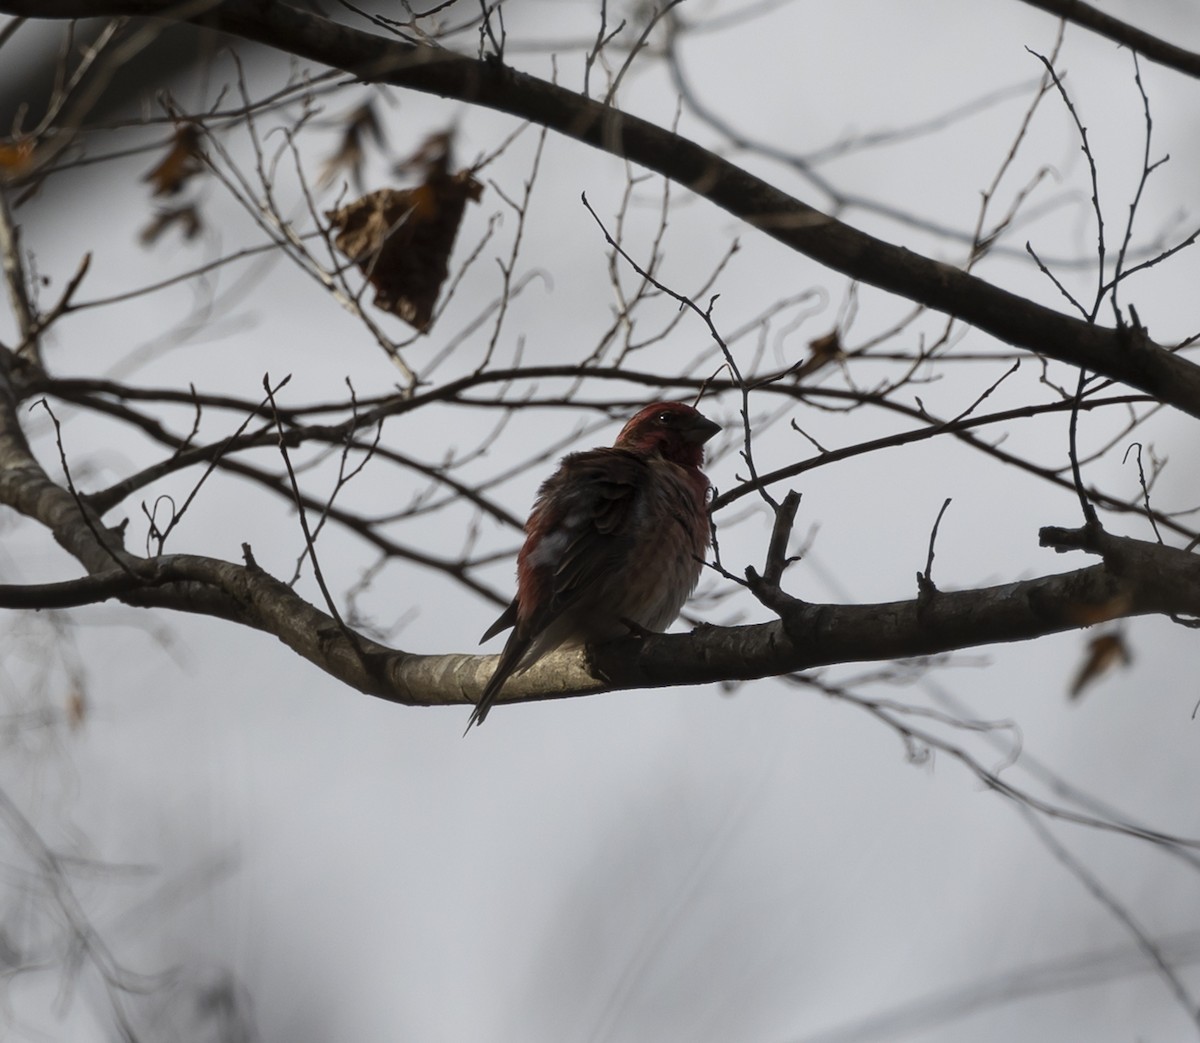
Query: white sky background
(670,865)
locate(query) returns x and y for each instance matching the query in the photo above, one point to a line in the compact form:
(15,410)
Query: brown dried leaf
(181,163)
(432,159)
(827,347)
(187,217)
(77,708)
(822,351)
(1105,651)
(361,124)
(15,156)
(401,240)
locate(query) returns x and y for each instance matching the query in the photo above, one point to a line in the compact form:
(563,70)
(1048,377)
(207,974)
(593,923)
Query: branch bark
(1146,44)
(1135,578)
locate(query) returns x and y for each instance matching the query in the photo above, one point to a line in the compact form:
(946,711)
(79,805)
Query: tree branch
(71,593)
(1144,43)
(1137,578)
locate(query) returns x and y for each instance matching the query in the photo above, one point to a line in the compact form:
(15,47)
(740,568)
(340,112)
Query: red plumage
(616,539)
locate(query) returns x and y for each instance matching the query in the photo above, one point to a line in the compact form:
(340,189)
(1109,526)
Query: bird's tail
(510,663)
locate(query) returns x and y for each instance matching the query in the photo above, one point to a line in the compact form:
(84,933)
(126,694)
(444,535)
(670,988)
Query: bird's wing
(585,520)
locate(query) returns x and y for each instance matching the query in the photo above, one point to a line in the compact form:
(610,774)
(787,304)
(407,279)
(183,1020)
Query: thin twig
(303,515)
(925,584)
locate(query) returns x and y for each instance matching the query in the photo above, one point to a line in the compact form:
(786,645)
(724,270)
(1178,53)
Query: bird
(614,544)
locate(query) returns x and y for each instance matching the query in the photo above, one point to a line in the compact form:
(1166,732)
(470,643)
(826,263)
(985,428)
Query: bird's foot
(636,629)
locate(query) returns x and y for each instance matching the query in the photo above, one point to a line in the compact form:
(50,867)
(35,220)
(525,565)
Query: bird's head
(673,430)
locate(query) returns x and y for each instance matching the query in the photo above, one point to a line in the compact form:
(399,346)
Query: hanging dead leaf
(1105,651)
(401,241)
(77,708)
(822,351)
(827,347)
(15,156)
(361,124)
(181,163)
(187,217)
(432,158)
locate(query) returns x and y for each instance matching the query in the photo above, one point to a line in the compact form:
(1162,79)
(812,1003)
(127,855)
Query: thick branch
(14,275)
(1147,45)
(1136,578)
(71,593)
(1127,356)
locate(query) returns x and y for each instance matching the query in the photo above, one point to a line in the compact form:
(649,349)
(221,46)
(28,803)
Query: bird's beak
(700,430)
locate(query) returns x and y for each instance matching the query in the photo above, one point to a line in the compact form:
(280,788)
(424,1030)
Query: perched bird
(614,544)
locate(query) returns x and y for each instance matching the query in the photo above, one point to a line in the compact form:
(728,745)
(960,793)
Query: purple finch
(614,544)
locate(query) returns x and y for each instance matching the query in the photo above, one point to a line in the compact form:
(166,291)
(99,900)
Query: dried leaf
(401,240)
(15,156)
(432,159)
(77,708)
(822,351)
(828,347)
(187,217)
(1105,651)
(181,163)
(361,124)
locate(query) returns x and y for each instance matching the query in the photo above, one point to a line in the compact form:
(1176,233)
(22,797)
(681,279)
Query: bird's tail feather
(510,663)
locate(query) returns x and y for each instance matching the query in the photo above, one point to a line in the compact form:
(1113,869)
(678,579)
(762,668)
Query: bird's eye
(665,418)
